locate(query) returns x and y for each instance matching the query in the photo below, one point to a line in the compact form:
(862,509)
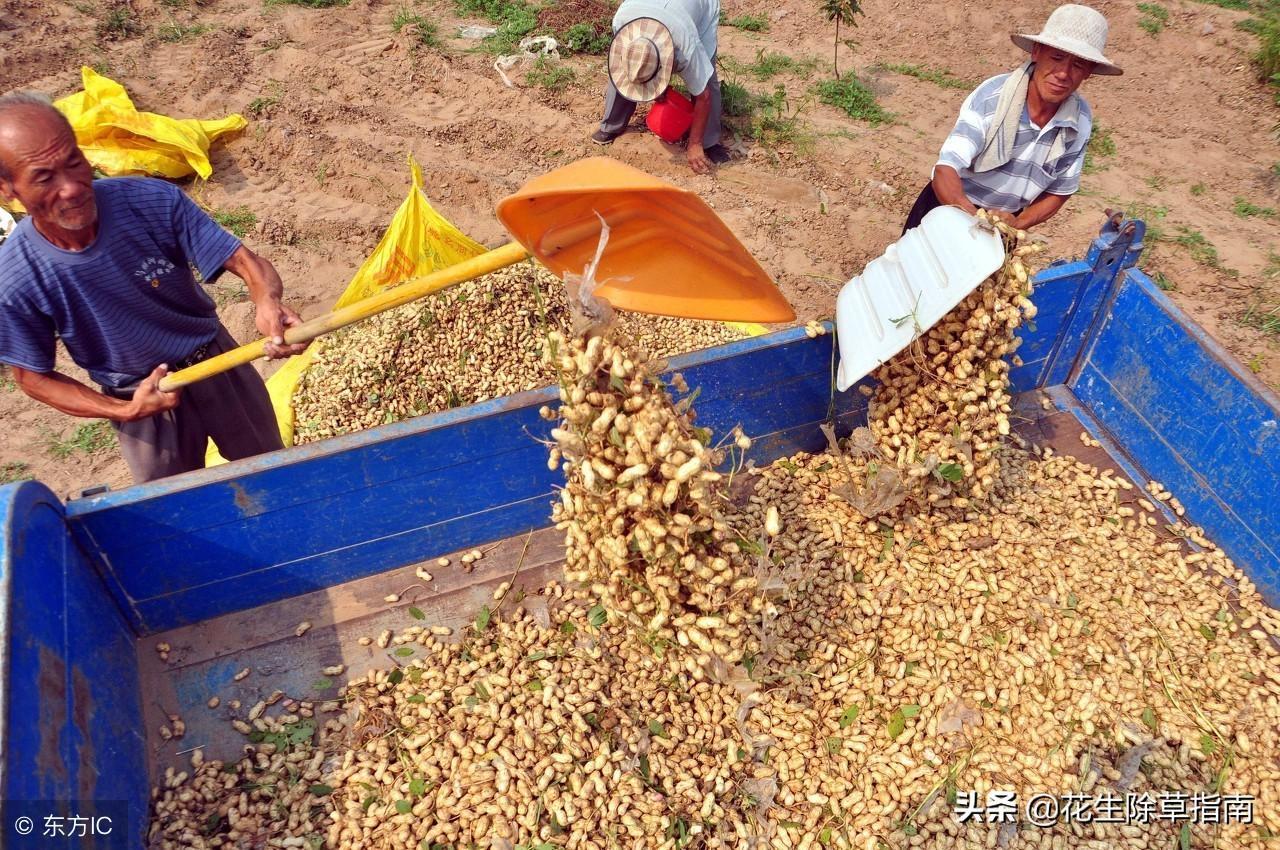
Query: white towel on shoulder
(997,147)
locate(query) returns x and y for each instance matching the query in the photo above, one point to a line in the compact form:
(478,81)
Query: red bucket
(671,116)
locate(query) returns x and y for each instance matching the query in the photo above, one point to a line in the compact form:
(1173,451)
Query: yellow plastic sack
(418,241)
(118,139)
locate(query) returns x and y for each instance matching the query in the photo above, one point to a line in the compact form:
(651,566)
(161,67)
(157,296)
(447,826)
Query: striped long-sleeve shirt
(1027,175)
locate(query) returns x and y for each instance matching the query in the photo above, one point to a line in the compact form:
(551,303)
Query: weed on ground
(119,23)
(750,23)
(850,95)
(1154,17)
(12,471)
(424,31)
(238,220)
(550,75)
(1100,146)
(943,78)
(173,32)
(1246,209)
(769,64)
(87,439)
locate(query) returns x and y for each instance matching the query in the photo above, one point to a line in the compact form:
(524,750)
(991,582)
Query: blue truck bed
(223,563)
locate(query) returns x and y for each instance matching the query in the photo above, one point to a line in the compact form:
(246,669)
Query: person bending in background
(1018,147)
(107,267)
(652,39)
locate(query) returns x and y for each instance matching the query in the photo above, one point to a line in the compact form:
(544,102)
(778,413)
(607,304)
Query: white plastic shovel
(905,291)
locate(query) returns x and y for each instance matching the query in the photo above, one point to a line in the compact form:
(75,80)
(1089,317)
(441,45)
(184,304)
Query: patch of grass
(1267,57)
(1201,249)
(426,32)
(174,32)
(1265,320)
(769,64)
(310,4)
(1247,209)
(1163,282)
(584,37)
(1256,363)
(735,100)
(1156,182)
(1199,189)
(550,75)
(515,19)
(262,104)
(1100,146)
(1227,4)
(237,220)
(87,439)
(7,384)
(14,470)
(777,125)
(119,23)
(852,96)
(750,23)
(942,78)
(1154,17)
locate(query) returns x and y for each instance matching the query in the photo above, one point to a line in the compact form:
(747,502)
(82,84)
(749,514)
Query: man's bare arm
(1040,210)
(949,189)
(69,396)
(265,291)
(694,152)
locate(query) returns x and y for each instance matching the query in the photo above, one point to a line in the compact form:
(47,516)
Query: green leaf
(257,736)
(834,745)
(1184,837)
(322,684)
(321,790)
(418,787)
(617,383)
(368,801)
(481,690)
(911,667)
(1209,632)
(396,676)
(534,685)
(1208,745)
(416,613)
(825,466)
(471,702)
(950,471)
(596,615)
(1072,601)
(482,619)
(824,837)
(404,651)
(897,724)
(656,728)
(567,628)
(644,767)
(404,807)
(847,717)
(537,656)
(790,824)
(1149,720)
(417,699)
(910,710)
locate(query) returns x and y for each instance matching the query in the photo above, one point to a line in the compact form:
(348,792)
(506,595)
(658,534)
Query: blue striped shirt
(125,304)
(1027,175)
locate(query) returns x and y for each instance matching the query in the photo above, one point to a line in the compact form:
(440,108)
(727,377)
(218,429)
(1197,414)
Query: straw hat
(641,57)
(1078,30)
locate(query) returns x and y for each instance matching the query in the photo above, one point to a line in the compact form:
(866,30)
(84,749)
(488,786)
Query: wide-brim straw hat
(1078,30)
(641,58)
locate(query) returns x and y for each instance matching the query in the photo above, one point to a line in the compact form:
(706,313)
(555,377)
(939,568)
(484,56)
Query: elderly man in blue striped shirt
(1017,149)
(109,267)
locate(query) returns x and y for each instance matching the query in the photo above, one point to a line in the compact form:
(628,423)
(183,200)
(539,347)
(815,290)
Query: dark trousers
(926,202)
(233,409)
(618,111)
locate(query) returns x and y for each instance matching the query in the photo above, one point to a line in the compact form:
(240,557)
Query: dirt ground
(339,99)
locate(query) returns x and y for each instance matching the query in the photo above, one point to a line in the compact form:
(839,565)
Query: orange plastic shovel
(668,254)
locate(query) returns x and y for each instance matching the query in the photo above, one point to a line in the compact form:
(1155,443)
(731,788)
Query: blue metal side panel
(1057,289)
(69,694)
(1191,418)
(219,540)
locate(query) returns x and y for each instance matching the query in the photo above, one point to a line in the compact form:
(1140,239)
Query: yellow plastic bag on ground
(118,139)
(418,241)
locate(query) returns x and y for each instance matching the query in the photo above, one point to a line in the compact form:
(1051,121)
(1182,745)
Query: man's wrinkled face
(49,174)
(1057,73)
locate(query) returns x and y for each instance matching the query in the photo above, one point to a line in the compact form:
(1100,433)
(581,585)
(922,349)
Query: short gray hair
(26,99)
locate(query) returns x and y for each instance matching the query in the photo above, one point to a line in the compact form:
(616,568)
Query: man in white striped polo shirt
(1018,147)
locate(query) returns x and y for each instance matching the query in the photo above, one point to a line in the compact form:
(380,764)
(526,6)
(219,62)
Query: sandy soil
(322,165)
